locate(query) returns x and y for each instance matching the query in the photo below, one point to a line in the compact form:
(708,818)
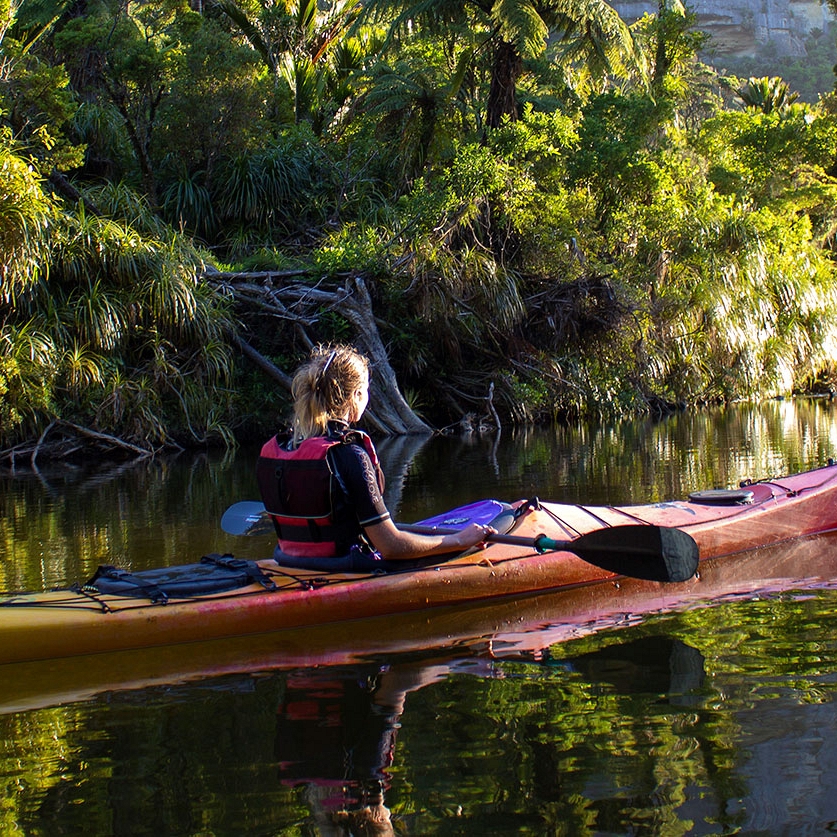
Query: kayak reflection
(509,629)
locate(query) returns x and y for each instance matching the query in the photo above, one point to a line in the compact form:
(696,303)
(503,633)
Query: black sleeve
(359,481)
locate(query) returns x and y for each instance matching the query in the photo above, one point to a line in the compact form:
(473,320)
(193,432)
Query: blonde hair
(323,387)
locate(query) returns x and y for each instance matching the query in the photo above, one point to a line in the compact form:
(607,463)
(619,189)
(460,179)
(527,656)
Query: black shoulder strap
(250,568)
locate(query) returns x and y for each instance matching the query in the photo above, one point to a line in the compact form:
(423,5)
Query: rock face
(739,27)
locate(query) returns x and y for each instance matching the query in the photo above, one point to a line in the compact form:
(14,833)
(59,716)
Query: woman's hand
(474,535)
(393,544)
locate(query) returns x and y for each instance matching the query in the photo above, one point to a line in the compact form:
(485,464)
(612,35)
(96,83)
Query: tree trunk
(502,94)
(389,404)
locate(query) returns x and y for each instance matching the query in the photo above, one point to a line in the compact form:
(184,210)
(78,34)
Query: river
(711,719)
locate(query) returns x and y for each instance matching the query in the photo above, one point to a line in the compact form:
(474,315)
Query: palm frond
(519,23)
(593,34)
(250,30)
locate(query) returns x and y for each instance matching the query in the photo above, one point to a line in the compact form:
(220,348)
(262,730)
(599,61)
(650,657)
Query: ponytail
(322,388)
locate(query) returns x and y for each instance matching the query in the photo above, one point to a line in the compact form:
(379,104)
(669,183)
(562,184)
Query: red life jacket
(297,487)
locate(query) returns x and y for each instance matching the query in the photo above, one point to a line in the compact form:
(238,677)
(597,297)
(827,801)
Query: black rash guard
(358,480)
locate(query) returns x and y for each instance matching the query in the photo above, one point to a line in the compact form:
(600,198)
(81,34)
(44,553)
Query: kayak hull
(56,624)
(520,628)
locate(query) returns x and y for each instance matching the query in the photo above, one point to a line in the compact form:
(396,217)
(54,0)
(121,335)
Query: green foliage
(128,57)
(612,148)
(768,95)
(459,219)
(187,204)
(353,247)
(758,154)
(217,105)
(26,214)
(27,366)
(278,189)
(115,329)
(307,50)
(420,104)
(584,215)
(37,106)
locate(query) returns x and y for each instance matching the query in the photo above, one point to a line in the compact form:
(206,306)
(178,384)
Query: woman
(322,484)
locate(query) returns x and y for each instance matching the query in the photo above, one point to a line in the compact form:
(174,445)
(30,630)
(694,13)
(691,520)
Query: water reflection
(336,737)
(659,665)
(336,730)
(634,461)
(688,723)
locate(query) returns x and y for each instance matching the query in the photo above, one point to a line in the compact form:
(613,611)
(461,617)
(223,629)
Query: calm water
(500,720)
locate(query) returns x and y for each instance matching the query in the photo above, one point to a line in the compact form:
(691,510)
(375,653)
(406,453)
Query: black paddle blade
(653,553)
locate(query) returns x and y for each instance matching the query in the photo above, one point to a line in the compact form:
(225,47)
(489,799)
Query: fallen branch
(255,276)
(263,363)
(105,437)
(491,408)
(38,445)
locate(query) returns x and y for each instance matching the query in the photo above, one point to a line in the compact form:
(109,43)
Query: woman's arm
(395,545)
(359,480)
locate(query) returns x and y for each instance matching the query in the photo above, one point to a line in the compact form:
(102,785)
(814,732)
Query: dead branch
(302,304)
(38,445)
(263,363)
(60,442)
(105,437)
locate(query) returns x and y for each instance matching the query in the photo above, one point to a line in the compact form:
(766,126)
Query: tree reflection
(619,732)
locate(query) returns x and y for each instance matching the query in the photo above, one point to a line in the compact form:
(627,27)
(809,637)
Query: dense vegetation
(524,199)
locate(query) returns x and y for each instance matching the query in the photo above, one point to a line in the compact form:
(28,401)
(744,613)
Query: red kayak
(657,553)
(520,628)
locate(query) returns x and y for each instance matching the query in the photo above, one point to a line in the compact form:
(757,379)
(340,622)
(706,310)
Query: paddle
(652,553)
(246,518)
(251,518)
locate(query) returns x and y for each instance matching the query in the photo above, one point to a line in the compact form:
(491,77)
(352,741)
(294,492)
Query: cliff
(738,28)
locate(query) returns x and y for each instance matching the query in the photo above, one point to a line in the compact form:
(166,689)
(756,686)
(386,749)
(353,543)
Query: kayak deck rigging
(87,597)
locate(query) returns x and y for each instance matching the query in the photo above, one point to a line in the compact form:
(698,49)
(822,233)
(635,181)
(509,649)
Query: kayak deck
(66,623)
(778,510)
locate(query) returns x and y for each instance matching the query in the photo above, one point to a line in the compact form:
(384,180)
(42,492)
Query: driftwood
(64,443)
(107,440)
(301,303)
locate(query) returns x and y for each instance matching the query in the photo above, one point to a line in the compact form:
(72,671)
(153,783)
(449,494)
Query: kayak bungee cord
(86,597)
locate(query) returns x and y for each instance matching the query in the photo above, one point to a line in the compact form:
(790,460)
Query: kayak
(581,552)
(516,629)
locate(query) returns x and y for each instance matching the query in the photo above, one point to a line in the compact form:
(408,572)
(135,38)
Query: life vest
(298,489)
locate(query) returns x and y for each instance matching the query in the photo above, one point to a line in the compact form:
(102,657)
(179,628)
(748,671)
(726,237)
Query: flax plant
(105,322)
